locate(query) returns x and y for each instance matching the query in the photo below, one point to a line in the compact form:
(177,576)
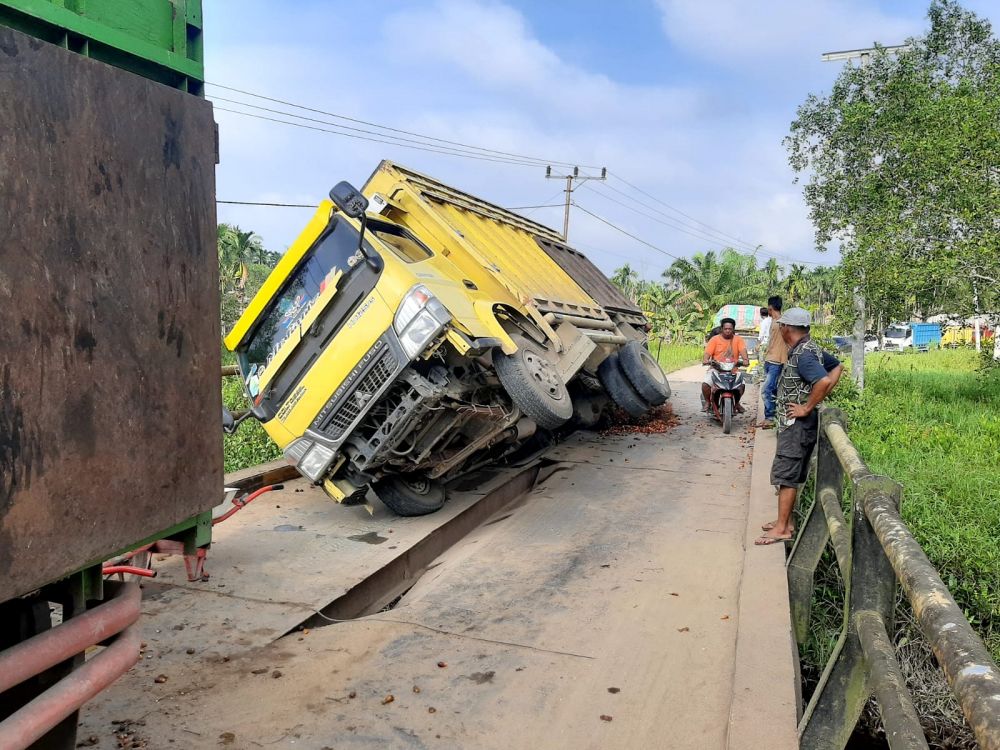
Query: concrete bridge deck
(618,604)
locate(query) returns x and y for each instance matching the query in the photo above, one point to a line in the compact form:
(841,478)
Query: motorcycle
(726,381)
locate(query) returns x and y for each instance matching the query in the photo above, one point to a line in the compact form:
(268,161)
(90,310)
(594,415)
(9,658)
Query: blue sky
(686,99)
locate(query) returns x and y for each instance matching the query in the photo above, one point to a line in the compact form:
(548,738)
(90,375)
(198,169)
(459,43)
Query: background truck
(414,332)
(920,336)
(109,330)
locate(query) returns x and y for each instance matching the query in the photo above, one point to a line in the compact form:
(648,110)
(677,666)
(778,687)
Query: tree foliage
(683,306)
(903,157)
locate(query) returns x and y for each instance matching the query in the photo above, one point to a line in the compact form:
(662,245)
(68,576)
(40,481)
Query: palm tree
(797,286)
(717,280)
(626,279)
(237,250)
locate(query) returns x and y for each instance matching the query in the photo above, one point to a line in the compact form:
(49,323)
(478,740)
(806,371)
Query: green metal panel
(157,39)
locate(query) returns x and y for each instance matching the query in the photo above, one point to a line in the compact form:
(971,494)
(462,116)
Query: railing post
(845,686)
(815,532)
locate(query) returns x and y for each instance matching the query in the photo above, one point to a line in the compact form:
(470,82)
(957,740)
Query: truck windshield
(896,333)
(336,250)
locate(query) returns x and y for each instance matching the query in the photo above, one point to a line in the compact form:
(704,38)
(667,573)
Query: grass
(930,421)
(675,356)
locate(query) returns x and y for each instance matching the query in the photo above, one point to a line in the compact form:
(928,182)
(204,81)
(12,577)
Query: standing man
(726,346)
(764,330)
(806,379)
(775,356)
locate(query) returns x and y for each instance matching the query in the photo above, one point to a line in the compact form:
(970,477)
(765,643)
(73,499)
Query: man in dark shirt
(808,376)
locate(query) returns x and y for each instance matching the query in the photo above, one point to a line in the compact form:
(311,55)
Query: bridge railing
(874,549)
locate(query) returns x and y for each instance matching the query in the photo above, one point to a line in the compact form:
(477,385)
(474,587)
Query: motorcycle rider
(724,347)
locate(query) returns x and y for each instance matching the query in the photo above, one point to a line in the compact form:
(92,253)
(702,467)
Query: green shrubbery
(675,356)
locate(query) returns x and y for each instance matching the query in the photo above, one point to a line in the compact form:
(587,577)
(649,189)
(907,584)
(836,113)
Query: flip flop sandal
(767,541)
(770,525)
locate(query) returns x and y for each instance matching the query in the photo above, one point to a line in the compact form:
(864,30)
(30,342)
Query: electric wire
(498,152)
(625,232)
(399,140)
(375,140)
(273,205)
(704,237)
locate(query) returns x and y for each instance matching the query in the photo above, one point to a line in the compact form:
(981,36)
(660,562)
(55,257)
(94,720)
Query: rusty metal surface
(588,276)
(109,322)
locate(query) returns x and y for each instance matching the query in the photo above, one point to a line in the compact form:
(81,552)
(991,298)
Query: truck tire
(619,388)
(534,384)
(644,373)
(411,495)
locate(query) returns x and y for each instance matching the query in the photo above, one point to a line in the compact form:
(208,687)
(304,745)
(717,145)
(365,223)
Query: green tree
(716,280)
(902,158)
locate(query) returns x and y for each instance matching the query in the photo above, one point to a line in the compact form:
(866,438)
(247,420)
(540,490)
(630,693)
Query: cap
(796,316)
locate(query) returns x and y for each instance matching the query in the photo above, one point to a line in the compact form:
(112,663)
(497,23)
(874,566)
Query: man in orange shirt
(724,347)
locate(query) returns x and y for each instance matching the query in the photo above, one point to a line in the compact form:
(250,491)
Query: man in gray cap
(805,381)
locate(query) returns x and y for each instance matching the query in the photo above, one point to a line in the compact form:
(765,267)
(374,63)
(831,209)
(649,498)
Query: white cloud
(474,71)
(783,36)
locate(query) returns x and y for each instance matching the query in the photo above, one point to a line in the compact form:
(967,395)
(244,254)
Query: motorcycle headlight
(419,318)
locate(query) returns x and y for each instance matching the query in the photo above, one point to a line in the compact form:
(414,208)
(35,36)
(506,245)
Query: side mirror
(348,199)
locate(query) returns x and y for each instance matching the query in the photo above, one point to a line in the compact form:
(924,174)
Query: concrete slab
(601,612)
(764,710)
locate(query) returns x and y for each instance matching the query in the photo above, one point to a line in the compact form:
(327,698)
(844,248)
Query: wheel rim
(543,373)
(421,486)
(653,369)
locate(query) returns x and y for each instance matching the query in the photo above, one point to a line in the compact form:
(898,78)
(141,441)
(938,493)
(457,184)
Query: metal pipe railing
(45,650)
(902,725)
(874,548)
(962,655)
(34,656)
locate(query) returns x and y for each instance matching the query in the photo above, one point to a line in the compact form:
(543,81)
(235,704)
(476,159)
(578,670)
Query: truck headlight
(420,318)
(311,459)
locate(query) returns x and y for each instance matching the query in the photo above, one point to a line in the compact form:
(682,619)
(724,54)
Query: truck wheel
(644,373)
(619,388)
(534,384)
(411,495)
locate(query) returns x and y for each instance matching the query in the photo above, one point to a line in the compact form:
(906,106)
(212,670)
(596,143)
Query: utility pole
(858,344)
(569,189)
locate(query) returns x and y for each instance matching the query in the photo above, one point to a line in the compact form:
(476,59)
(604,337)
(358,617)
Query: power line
(525,208)
(626,232)
(394,139)
(375,140)
(276,205)
(716,235)
(313,206)
(741,244)
(678,211)
(523,157)
(703,237)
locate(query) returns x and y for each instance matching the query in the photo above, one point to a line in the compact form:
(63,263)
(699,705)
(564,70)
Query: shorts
(795,447)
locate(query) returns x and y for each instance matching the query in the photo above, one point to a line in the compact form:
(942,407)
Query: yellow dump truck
(413,332)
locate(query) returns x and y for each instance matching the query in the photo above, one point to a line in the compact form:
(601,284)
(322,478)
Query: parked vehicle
(726,381)
(414,332)
(920,336)
(871,343)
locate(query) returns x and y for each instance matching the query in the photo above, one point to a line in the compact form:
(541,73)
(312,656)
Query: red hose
(240,503)
(112,569)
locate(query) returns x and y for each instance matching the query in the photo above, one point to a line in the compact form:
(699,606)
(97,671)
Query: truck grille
(350,407)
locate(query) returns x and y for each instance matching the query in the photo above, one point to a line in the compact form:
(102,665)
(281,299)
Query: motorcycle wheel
(727,415)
